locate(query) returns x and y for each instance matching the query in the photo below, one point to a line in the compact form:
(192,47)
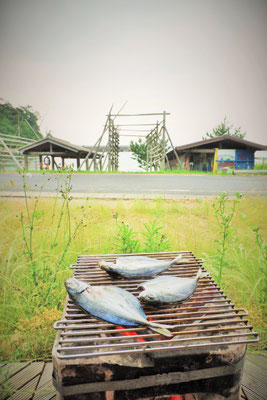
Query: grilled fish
(169,289)
(138,266)
(112,304)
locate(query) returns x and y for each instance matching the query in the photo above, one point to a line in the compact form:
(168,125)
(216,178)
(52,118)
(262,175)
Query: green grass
(33,293)
(163,171)
(262,166)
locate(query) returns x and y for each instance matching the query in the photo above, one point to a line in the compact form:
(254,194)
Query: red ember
(130,334)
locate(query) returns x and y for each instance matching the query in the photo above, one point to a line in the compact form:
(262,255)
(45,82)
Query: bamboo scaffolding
(20,138)
(11,153)
(157,140)
(10,150)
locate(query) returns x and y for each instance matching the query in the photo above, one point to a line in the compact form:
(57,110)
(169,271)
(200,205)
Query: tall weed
(224,212)
(45,278)
(262,281)
(34,268)
(125,240)
(152,239)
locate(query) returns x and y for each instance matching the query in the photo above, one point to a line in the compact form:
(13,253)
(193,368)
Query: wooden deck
(25,381)
(254,382)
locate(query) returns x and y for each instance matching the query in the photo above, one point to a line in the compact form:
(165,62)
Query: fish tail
(162,329)
(177,259)
(201,274)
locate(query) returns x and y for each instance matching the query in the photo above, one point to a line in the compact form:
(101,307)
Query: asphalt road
(136,185)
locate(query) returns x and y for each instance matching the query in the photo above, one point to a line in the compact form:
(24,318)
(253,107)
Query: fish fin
(201,274)
(160,329)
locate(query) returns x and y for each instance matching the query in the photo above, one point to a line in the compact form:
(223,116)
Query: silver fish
(169,289)
(111,304)
(138,266)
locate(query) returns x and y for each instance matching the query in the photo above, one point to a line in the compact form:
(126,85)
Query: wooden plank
(46,392)
(46,374)
(45,389)
(254,380)
(258,359)
(24,376)
(10,369)
(138,115)
(247,394)
(20,142)
(50,153)
(26,392)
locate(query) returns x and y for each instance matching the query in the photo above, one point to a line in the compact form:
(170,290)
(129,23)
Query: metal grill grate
(207,319)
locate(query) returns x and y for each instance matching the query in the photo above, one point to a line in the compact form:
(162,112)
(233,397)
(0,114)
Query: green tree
(224,128)
(19,121)
(139,152)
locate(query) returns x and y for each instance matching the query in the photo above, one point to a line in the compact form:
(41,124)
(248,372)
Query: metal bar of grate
(207,319)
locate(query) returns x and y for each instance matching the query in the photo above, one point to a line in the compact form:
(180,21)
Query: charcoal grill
(94,359)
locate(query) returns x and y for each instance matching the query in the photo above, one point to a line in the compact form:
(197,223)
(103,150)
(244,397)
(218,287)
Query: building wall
(244,159)
(226,159)
(235,159)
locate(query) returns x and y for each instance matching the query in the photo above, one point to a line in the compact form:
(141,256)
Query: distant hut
(50,148)
(228,152)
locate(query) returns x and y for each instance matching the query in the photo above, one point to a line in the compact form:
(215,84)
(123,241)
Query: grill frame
(208,308)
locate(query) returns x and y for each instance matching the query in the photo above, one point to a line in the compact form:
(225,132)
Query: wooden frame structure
(105,157)
(158,142)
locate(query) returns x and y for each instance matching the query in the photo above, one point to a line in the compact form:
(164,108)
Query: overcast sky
(200,60)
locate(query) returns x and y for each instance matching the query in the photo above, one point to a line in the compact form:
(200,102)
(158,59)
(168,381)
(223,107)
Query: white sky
(199,60)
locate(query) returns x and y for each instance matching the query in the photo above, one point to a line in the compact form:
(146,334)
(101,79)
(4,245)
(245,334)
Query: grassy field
(41,238)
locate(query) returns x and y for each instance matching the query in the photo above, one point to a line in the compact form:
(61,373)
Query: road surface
(135,185)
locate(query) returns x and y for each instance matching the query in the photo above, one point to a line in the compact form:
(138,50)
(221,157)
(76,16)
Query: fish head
(73,285)
(148,296)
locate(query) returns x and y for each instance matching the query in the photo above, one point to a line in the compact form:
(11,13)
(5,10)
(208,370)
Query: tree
(139,152)
(224,129)
(19,121)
